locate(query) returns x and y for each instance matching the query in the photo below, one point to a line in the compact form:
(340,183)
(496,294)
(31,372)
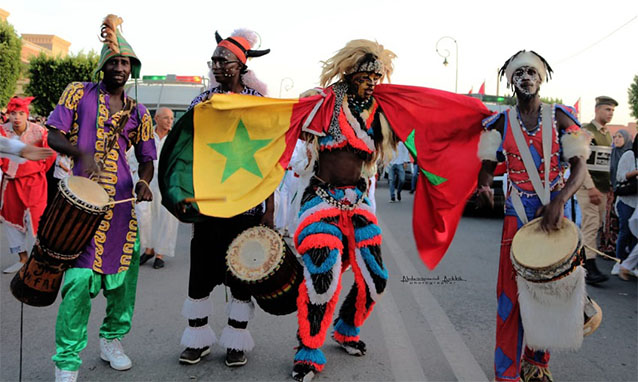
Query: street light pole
(286,87)
(445,53)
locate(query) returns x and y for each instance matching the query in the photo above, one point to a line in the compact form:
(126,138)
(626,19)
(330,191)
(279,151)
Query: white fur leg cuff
(198,337)
(236,339)
(574,145)
(242,311)
(194,309)
(488,145)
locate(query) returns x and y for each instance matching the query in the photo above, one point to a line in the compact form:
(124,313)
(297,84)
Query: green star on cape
(240,152)
(411,146)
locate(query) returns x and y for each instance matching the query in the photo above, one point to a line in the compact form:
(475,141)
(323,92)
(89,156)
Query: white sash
(543,192)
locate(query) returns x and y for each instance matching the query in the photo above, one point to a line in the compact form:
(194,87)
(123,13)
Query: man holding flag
(213,235)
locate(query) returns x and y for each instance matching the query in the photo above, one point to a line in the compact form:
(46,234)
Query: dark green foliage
(10,66)
(633,97)
(49,76)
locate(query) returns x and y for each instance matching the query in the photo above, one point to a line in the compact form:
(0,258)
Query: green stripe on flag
(409,143)
(434,179)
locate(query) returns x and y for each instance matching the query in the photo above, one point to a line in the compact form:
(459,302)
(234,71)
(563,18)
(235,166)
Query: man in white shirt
(396,171)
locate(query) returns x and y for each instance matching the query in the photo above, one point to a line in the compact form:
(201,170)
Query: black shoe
(357,348)
(303,372)
(392,200)
(145,257)
(594,275)
(399,196)
(158,263)
(412,192)
(235,358)
(191,356)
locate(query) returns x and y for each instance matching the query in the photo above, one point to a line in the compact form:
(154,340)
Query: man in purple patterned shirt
(87,118)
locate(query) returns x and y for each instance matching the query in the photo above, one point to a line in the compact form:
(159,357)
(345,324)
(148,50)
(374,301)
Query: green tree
(49,76)
(550,100)
(10,48)
(633,97)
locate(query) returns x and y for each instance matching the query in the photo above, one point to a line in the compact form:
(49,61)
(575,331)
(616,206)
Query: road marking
(458,355)
(403,360)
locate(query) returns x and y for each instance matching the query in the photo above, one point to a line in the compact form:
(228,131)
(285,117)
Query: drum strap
(541,190)
(115,135)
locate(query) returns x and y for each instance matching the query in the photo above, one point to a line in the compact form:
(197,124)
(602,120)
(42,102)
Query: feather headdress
(115,45)
(108,32)
(357,56)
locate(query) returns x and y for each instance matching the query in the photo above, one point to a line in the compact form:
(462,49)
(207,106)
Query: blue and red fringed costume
(337,229)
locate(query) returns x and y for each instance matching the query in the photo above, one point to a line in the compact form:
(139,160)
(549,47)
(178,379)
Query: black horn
(257,53)
(218,37)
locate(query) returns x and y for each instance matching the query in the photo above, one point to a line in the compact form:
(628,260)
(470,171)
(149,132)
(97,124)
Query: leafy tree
(49,76)
(10,65)
(633,97)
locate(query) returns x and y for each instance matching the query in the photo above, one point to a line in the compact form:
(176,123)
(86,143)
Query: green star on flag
(240,152)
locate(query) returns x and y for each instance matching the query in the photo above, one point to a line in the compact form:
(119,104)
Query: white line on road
(461,360)
(403,360)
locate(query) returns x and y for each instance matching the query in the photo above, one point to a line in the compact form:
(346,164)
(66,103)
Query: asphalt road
(432,330)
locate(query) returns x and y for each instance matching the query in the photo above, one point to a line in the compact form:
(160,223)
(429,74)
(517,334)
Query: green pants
(80,286)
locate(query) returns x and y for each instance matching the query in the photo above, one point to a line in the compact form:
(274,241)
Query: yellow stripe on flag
(238,142)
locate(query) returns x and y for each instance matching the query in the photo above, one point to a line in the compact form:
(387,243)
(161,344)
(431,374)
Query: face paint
(527,80)
(362,84)
(225,65)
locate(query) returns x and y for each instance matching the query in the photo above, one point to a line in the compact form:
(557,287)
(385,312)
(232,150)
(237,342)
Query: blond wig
(352,56)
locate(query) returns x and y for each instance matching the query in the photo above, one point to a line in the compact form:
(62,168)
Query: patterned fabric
(508,152)
(337,228)
(83,115)
(348,129)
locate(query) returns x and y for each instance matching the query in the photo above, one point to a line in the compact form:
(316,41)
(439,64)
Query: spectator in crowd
(415,176)
(158,228)
(626,206)
(396,171)
(24,186)
(594,192)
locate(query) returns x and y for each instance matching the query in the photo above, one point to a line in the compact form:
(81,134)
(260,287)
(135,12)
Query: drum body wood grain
(66,227)
(261,261)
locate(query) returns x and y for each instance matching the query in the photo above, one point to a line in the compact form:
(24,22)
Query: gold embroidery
(72,95)
(147,127)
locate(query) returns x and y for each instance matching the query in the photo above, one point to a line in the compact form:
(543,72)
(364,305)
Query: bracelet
(144,183)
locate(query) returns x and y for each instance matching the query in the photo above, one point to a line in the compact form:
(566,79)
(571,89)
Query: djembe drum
(555,309)
(66,227)
(259,260)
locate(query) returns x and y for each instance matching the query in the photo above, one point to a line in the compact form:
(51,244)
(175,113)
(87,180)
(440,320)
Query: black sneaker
(399,196)
(392,200)
(303,372)
(594,275)
(235,358)
(192,356)
(158,263)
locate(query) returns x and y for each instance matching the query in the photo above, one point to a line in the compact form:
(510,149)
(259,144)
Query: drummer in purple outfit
(86,118)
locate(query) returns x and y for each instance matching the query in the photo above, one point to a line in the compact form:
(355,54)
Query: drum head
(255,253)
(535,249)
(87,190)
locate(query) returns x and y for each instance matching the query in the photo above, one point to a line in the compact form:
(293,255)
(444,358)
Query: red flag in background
(577,108)
(471,90)
(441,130)
(482,88)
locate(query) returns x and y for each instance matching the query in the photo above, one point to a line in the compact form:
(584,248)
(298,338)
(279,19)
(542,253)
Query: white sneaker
(66,375)
(112,352)
(14,268)
(616,269)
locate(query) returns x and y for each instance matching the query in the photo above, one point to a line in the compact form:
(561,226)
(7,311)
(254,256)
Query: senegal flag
(229,153)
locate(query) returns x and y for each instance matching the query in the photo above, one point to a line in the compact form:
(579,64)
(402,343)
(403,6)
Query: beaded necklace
(359,105)
(539,123)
